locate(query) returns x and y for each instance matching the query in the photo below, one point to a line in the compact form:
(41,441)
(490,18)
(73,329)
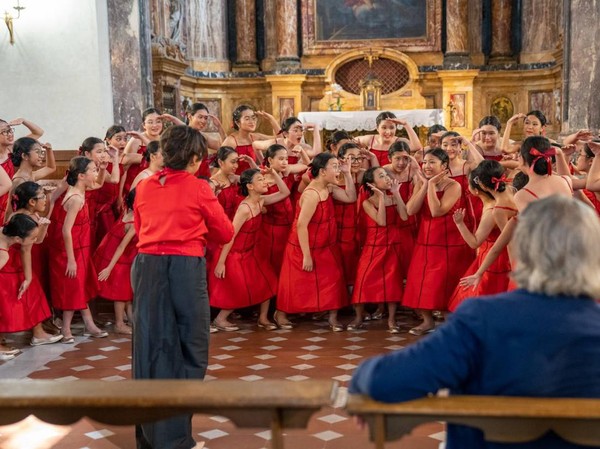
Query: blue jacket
(512,344)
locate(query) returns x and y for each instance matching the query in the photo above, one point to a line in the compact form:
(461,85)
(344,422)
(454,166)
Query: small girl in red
(73,279)
(379,277)
(154,159)
(241,275)
(113,260)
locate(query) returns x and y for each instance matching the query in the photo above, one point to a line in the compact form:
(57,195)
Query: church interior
(78,67)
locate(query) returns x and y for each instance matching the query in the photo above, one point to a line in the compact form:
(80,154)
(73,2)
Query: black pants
(171,334)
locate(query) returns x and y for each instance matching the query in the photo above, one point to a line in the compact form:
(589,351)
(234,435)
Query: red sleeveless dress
(71,293)
(346,217)
(247,150)
(118,285)
(408,231)
(473,205)
(134,170)
(594,199)
(17,315)
(249,278)
(323,288)
(8,166)
(382,155)
(276,225)
(105,210)
(440,258)
(379,276)
(230,198)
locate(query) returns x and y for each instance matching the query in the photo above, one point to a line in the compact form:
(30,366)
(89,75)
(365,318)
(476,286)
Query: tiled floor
(309,351)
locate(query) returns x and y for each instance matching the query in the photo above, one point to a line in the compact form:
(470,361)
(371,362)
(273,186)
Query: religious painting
(502,108)
(214,108)
(286,108)
(457,111)
(542,101)
(334,26)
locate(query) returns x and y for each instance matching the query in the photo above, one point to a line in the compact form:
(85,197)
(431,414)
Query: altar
(365,120)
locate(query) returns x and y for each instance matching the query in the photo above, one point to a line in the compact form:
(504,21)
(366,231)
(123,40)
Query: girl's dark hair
(149,111)
(237,114)
(588,152)
(195,107)
(485,172)
(439,154)
(490,120)
(369,178)
(288,122)
(346,147)
(222,155)
(19,225)
(88,145)
(435,129)
(539,115)
(180,144)
(336,138)
(449,134)
(21,147)
(24,193)
(115,129)
(272,151)
(397,147)
(152,148)
(77,166)
(542,145)
(520,180)
(384,116)
(319,163)
(130,199)
(246,178)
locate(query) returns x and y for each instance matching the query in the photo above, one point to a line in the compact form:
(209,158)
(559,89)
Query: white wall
(57,73)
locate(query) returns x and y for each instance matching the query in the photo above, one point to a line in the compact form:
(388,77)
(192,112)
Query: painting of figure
(341,20)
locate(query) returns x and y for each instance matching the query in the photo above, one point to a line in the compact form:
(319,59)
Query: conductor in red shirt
(175,214)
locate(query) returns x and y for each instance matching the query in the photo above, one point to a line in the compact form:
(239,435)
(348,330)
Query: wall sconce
(8,20)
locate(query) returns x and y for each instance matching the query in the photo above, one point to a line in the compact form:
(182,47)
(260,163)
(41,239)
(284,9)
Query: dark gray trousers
(171,335)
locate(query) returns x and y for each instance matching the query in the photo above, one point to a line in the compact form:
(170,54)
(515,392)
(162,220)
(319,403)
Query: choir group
(374,219)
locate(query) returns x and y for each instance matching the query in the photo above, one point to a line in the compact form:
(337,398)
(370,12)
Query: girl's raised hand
(516,117)
(459,216)
(395,189)
(345,167)
(436,179)
(594,146)
(476,135)
(378,193)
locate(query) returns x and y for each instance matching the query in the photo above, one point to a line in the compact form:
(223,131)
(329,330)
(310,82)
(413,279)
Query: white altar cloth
(365,120)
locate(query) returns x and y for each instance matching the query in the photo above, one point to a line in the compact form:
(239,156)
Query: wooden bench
(274,404)
(502,419)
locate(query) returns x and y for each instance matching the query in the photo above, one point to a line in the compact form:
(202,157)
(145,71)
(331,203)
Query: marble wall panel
(457,27)
(541,25)
(245,22)
(270,29)
(287,30)
(208,30)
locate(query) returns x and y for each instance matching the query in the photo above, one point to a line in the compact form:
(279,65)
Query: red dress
(230,198)
(106,210)
(408,231)
(379,276)
(17,315)
(382,155)
(118,285)
(71,293)
(346,218)
(440,258)
(323,288)
(133,170)
(241,150)
(276,225)
(473,205)
(8,166)
(594,199)
(249,278)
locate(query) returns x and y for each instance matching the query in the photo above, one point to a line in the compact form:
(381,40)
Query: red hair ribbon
(497,181)
(539,155)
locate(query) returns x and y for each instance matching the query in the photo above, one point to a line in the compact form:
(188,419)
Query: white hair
(557,243)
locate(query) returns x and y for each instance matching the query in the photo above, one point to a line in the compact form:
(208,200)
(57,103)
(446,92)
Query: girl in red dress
(488,181)
(245,119)
(337,139)
(586,164)
(198,117)
(154,159)
(116,140)
(379,277)
(312,277)
(292,138)
(278,218)
(100,201)
(113,260)
(73,279)
(23,304)
(241,275)
(441,256)
(379,143)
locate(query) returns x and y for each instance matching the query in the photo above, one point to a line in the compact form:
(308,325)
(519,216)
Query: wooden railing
(502,419)
(274,404)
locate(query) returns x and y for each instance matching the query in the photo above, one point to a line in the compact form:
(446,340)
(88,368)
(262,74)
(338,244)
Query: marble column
(127,71)
(245,24)
(541,25)
(270,21)
(581,61)
(287,34)
(457,32)
(146,53)
(208,35)
(475,32)
(501,32)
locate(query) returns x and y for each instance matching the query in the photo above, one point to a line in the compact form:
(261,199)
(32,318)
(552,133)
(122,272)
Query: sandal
(336,327)
(393,329)
(267,326)
(68,340)
(418,331)
(227,327)
(287,325)
(355,326)
(99,334)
